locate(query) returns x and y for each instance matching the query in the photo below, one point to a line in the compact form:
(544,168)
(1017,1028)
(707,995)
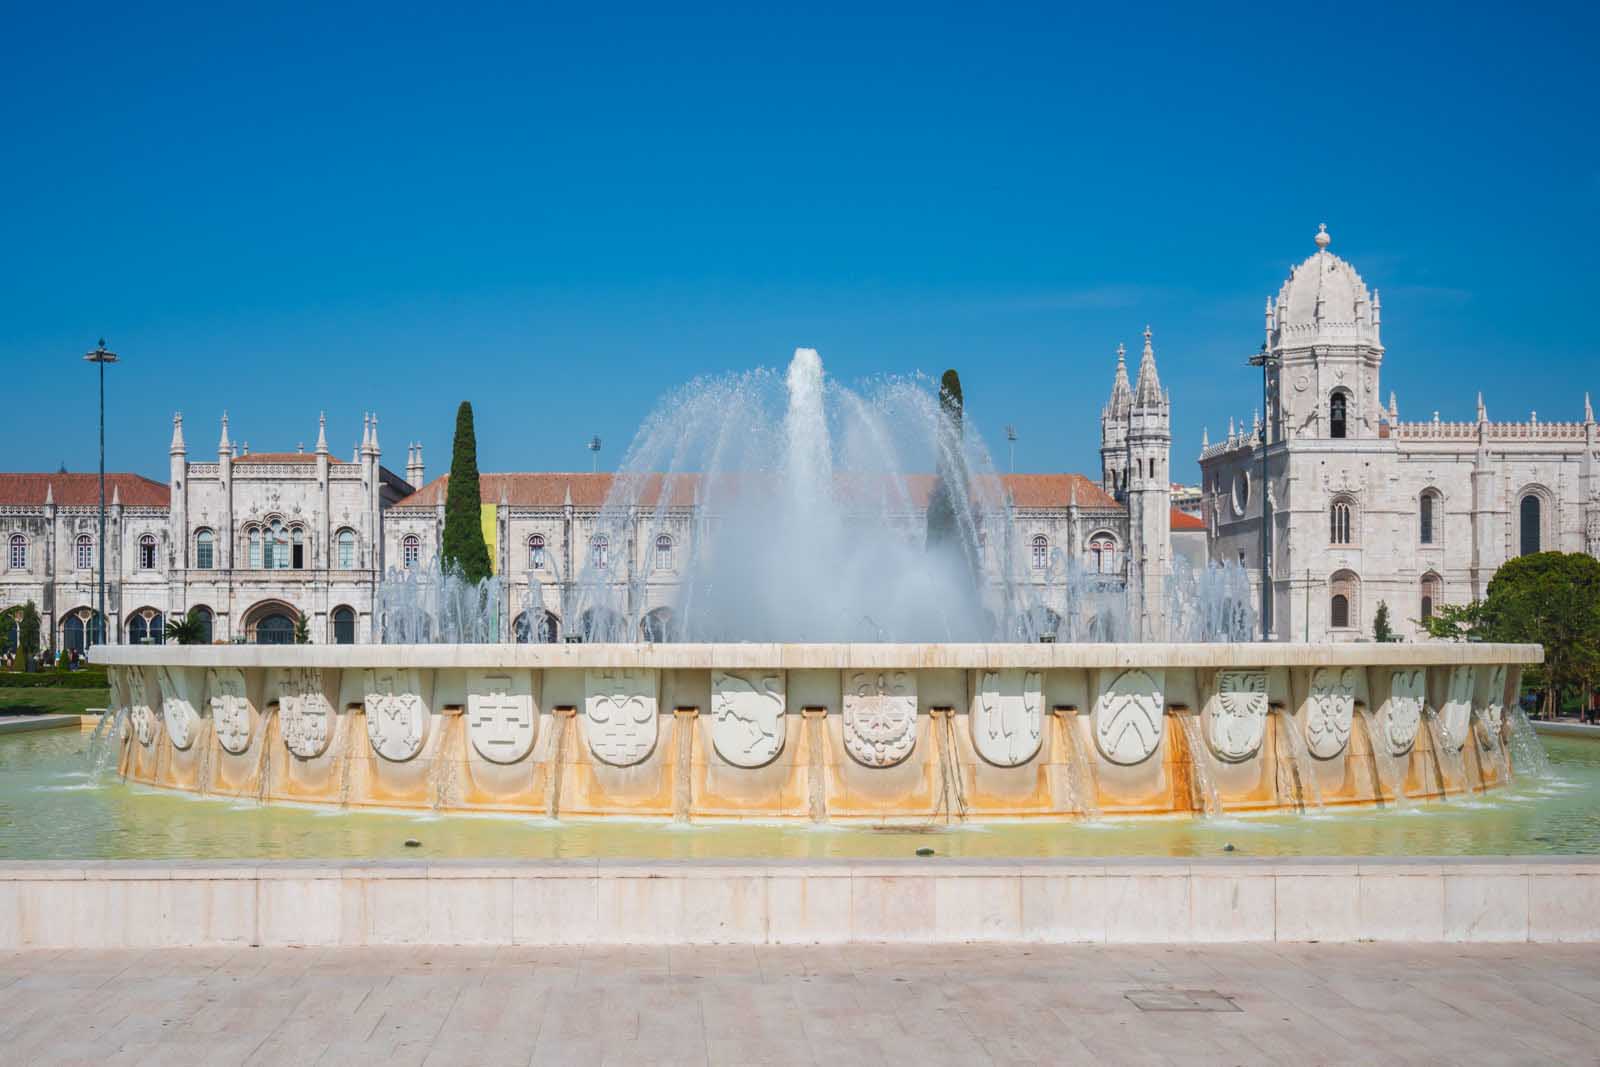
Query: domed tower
(1324,329)
(1114,431)
(1149,497)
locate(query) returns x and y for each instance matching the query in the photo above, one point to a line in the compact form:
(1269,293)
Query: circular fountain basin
(874,733)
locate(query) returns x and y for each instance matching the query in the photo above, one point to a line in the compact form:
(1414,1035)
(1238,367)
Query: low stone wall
(115,905)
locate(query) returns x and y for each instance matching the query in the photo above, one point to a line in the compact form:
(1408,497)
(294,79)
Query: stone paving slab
(915,1004)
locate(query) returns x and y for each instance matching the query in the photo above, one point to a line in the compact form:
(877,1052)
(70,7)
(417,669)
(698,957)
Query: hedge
(88,678)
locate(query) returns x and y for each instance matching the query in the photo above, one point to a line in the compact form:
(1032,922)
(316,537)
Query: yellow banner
(491,532)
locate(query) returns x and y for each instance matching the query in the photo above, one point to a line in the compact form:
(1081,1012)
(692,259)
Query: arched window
(1531,515)
(410,551)
(346,540)
(275,555)
(207,622)
(657,626)
(147,552)
(549,628)
(1426,517)
(1041,552)
(600,551)
(81,629)
(1339,523)
(344,626)
(84,554)
(146,627)
(1344,606)
(17,558)
(1430,594)
(297,548)
(663,552)
(255,546)
(275,629)
(536,552)
(205,550)
(1337,411)
(1102,554)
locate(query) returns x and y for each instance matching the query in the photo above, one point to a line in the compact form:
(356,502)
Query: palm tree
(187,629)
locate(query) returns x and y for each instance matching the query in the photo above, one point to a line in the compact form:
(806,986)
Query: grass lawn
(51,701)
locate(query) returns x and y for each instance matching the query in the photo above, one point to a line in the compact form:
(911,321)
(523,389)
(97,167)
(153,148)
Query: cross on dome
(1323,238)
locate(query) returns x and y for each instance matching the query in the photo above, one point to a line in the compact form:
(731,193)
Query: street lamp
(1266,360)
(594,446)
(1011,441)
(102,357)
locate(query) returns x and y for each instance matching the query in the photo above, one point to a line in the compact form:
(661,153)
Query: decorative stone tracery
(880,716)
(1129,717)
(747,707)
(1007,716)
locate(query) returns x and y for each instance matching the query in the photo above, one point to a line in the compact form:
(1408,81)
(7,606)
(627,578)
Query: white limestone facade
(1365,507)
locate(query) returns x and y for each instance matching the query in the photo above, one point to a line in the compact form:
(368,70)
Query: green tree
(302,629)
(28,635)
(1381,630)
(187,629)
(464,547)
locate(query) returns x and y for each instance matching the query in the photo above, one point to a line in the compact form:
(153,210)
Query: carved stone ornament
(1007,715)
(880,716)
(619,710)
(140,713)
(501,720)
(1491,705)
(1239,715)
(397,718)
(1455,714)
(177,709)
(1402,715)
(1330,710)
(1129,717)
(305,716)
(230,708)
(747,716)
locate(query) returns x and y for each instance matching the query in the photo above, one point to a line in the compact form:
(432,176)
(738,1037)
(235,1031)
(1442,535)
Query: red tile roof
(590,490)
(1182,520)
(76,490)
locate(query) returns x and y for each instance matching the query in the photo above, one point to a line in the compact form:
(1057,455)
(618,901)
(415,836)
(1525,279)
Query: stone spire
(414,467)
(1394,409)
(1205,438)
(1121,391)
(1483,414)
(322,434)
(116,495)
(224,446)
(375,449)
(1147,393)
(178,448)
(49,494)
(1588,408)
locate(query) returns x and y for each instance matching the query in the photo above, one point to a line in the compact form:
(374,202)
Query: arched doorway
(271,622)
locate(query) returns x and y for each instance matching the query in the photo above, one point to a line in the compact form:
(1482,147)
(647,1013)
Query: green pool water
(51,808)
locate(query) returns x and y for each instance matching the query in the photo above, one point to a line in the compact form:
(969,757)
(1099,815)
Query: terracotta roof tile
(1182,520)
(78,490)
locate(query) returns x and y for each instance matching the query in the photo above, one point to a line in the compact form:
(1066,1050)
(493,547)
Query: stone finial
(225,446)
(1588,408)
(1483,413)
(49,494)
(1148,390)
(322,434)
(1231,431)
(375,449)
(566,501)
(1394,409)
(116,495)
(178,447)
(1205,437)
(1323,239)
(1121,391)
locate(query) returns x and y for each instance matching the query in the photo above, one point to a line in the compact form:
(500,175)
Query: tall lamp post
(1266,360)
(102,357)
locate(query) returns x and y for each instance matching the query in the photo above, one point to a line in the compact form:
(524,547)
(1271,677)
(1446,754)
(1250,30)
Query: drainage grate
(1181,1000)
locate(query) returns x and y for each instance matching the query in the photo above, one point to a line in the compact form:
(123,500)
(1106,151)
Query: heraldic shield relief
(747,716)
(140,713)
(880,716)
(177,706)
(230,708)
(1402,715)
(305,714)
(1129,716)
(1491,705)
(1455,711)
(501,720)
(1330,710)
(397,717)
(1238,715)
(1008,715)
(619,711)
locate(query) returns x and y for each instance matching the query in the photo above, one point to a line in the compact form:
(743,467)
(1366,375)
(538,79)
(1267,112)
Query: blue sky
(560,213)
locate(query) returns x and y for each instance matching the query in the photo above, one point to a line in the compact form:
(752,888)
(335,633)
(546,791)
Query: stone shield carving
(177,708)
(880,716)
(305,716)
(1330,711)
(500,715)
(620,711)
(1239,715)
(230,708)
(1007,715)
(747,716)
(1491,705)
(1402,717)
(140,713)
(1129,716)
(1455,714)
(397,718)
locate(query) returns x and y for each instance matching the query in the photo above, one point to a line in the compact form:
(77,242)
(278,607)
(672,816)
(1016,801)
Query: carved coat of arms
(1491,705)
(500,715)
(1129,716)
(880,716)
(1238,719)
(1007,715)
(230,708)
(1455,713)
(177,709)
(619,710)
(305,716)
(140,714)
(397,718)
(1403,715)
(747,708)
(1330,711)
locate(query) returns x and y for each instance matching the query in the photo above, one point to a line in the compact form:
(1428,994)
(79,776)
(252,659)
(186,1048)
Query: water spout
(1202,779)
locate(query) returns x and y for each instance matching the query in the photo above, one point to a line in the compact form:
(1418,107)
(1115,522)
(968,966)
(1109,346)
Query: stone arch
(1533,519)
(1341,412)
(270,622)
(1430,517)
(1428,590)
(1344,600)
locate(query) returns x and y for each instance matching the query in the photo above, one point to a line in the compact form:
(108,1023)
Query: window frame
(205,549)
(410,551)
(17,552)
(147,552)
(83,552)
(344,547)
(536,550)
(1039,552)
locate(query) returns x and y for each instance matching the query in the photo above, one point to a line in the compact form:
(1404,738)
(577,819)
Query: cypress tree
(464,547)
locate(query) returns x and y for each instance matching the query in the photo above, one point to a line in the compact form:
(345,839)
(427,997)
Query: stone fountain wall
(873,733)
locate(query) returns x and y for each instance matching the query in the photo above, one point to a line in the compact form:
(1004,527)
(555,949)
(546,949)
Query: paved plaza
(922,1005)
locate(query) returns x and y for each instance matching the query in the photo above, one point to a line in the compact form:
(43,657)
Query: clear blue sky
(558,214)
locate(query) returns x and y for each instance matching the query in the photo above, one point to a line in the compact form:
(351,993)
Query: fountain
(824,654)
